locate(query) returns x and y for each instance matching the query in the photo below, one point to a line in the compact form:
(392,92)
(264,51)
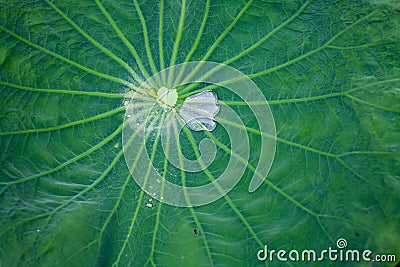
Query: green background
(329,69)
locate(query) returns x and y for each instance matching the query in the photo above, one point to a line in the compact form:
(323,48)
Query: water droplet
(198,111)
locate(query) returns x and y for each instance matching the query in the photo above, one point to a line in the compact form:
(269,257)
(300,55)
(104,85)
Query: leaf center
(167,96)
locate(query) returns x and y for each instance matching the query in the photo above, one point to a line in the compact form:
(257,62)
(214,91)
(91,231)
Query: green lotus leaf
(68,73)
